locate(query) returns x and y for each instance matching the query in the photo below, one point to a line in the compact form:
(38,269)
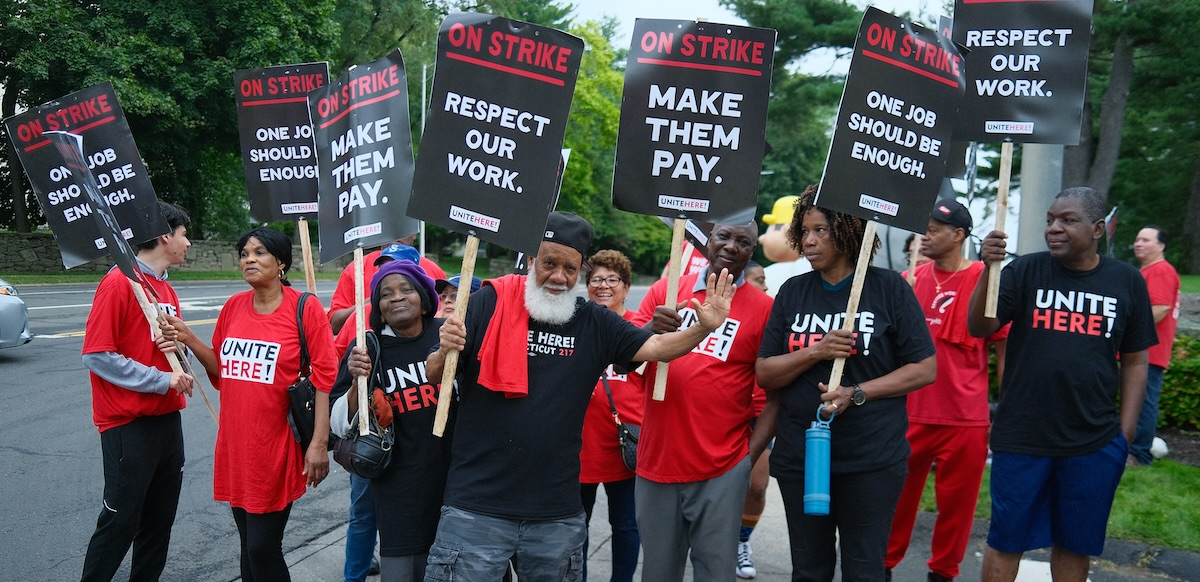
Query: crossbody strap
(305,364)
(611,404)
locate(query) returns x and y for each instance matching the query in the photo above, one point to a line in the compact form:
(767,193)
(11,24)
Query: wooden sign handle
(860,275)
(450,367)
(993,288)
(360,337)
(672,298)
(310,274)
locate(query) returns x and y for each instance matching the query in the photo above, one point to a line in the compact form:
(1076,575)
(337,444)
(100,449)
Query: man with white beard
(532,349)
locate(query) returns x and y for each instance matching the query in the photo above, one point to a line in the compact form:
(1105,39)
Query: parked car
(14,318)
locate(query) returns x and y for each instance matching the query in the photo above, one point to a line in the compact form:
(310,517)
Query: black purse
(302,395)
(369,455)
(627,434)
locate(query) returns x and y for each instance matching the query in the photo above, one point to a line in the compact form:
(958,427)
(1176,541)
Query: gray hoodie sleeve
(128,374)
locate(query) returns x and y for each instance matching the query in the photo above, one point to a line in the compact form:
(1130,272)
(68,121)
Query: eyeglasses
(612,281)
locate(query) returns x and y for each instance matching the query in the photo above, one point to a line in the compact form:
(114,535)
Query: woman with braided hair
(888,354)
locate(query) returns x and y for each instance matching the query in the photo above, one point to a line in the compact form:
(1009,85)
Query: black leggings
(262,544)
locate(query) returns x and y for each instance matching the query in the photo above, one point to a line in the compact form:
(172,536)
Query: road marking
(89,305)
(71,334)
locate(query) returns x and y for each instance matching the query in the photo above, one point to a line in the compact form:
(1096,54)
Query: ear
(1098,229)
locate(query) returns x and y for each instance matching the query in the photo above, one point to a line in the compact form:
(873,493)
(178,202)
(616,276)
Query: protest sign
(693,120)
(364,157)
(497,118)
(1027,69)
(277,139)
(896,118)
(109,152)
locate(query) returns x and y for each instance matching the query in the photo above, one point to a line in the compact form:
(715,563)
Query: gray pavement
(321,559)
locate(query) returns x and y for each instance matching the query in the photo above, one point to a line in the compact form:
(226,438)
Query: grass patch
(1189,283)
(1158,505)
(176,275)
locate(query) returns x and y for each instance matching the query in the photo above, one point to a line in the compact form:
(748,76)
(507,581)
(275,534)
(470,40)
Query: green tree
(542,12)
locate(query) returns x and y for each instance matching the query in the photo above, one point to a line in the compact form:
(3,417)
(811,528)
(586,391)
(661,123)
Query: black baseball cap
(952,213)
(568,228)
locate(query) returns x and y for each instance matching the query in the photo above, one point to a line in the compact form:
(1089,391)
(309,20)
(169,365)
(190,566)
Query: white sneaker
(745,567)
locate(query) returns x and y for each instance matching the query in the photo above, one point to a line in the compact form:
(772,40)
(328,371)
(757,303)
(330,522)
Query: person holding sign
(889,354)
(691,483)
(341,307)
(136,400)
(258,467)
(408,495)
(532,349)
(1059,443)
(949,419)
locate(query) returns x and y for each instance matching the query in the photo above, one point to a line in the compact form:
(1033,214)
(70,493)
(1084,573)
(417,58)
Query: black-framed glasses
(612,281)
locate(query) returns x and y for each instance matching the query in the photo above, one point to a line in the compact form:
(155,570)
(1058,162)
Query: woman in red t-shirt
(258,466)
(600,459)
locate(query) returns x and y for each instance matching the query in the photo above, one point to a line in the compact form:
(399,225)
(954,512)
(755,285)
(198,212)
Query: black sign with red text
(364,157)
(109,152)
(894,124)
(693,120)
(1027,69)
(490,151)
(277,140)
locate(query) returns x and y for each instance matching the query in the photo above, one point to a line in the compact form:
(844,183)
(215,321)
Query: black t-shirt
(1061,374)
(408,496)
(518,458)
(891,332)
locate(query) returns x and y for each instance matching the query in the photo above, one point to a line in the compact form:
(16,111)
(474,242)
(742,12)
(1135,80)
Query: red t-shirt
(1163,283)
(258,465)
(959,394)
(600,458)
(343,294)
(116,324)
(702,428)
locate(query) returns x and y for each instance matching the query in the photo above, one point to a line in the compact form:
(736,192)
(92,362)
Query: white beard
(546,307)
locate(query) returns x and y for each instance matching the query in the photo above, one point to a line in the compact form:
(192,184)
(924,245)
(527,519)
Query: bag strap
(305,364)
(611,404)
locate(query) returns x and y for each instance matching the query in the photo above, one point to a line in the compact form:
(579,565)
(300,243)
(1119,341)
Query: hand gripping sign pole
(360,337)
(993,288)
(860,275)
(450,368)
(673,273)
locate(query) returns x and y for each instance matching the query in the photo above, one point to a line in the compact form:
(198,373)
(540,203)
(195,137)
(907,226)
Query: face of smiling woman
(603,291)
(259,267)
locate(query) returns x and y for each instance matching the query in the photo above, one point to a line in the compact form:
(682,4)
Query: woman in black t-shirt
(888,354)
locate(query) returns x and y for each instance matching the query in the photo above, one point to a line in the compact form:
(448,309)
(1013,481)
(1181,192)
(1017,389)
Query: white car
(14,318)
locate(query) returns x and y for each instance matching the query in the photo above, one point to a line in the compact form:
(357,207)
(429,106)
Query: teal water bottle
(816,465)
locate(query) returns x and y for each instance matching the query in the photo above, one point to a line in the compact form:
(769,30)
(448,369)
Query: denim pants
(472,547)
(1148,419)
(360,531)
(626,544)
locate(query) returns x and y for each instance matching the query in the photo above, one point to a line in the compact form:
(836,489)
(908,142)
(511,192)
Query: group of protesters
(544,370)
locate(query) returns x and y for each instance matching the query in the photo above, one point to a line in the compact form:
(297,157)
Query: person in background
(691,483)
(888,355)
(258,467)
(407,497)
(949,419)
(341,306)
(1059,442)
(600,460)
(756,276)
(760,474)
(136,400)
(448,292)
(1163,284)
(787,261)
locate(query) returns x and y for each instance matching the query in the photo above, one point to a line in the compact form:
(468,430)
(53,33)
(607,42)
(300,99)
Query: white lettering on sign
(1003,127)
(878,205)
(680,203)
(363,231)
(299,208)
(460,214)
(249,360)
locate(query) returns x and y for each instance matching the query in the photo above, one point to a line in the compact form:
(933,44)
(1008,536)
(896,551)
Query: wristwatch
(858,397)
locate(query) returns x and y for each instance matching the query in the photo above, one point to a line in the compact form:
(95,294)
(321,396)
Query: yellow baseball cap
(783,210)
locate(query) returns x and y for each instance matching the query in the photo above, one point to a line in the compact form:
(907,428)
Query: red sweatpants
(961,454)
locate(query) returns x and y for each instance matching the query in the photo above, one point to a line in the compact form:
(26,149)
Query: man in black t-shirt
(531,350)
(1059,443)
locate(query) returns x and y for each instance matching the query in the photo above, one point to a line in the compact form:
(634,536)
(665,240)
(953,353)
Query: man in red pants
(948,420)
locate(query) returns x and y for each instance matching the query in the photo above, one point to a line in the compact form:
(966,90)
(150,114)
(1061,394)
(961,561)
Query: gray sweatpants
(703,516)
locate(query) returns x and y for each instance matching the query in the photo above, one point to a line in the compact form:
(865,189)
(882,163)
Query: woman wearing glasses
(600,459)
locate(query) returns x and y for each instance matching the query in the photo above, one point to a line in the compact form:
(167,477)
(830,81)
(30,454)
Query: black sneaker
(887,575)
(935,577)
(374,569)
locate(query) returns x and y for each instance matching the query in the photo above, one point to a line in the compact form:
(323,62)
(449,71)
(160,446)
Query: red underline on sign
(505,68)
(383,97)
(274,101)
(687,65)
(909,67)
(79,129)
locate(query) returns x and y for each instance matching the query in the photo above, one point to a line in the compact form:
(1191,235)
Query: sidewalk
(321,560)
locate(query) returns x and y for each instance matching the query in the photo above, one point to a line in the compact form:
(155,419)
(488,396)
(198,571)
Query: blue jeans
(1148,420)
(360,532)
(626,543)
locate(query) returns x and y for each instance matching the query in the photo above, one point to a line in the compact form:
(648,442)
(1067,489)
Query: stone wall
(38,253)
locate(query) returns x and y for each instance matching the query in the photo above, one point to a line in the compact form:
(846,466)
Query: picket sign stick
(174,359)
(672,298)
(450,367)
(993,289)
(913,250)
(360,336)
(310,275)
(860,275)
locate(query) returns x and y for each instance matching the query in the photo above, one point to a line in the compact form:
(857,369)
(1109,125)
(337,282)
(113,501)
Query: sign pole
(450,367)
(993,289)
(310,276)
(673,273)
(860,275)
(360,336)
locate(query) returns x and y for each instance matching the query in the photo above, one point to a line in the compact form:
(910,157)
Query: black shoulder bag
(369,455)
(302,395)
(627,434)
